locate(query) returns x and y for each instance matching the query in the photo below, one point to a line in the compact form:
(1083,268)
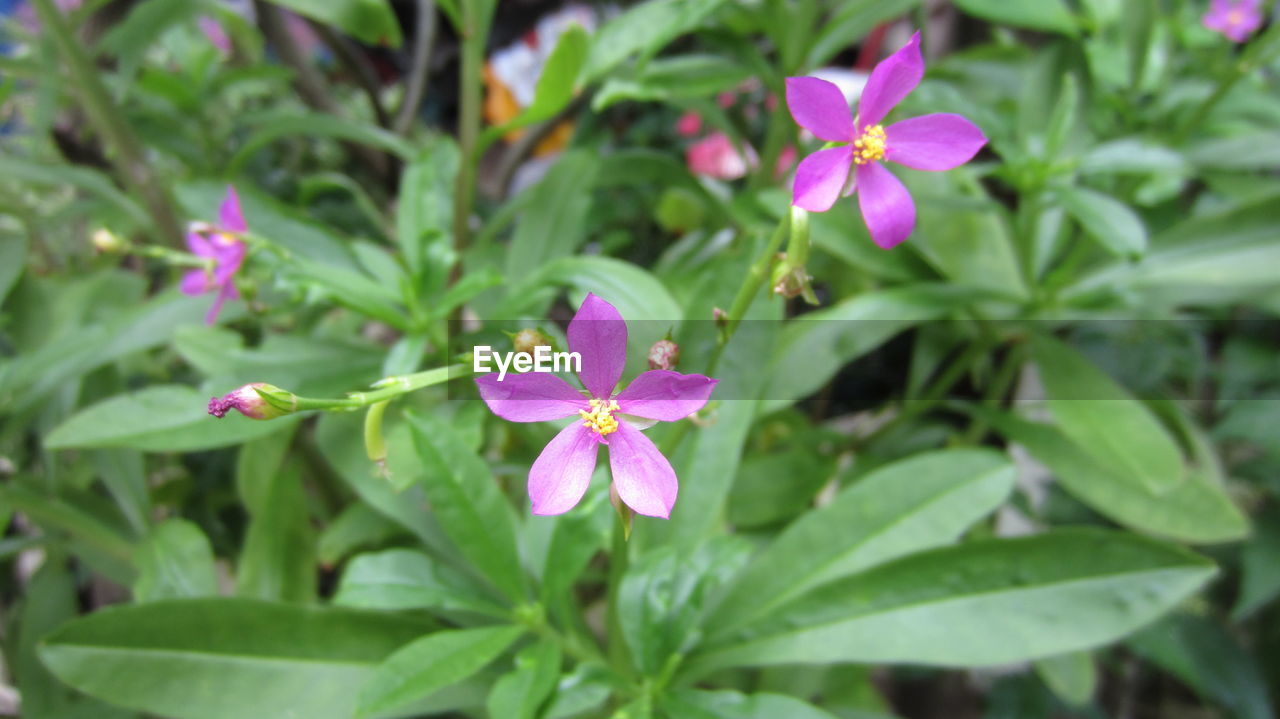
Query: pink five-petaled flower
(930,142)
(558,478)
(221,246)
(1236,19)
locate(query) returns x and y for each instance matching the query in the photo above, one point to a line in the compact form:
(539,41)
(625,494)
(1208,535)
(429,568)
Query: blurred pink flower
(1236,19)
(212,30)
(930,142)
(689,124)
(786,160)
(642,476)
(221,245)
(715,156)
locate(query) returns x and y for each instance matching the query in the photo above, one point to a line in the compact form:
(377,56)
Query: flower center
(1235,17)
(600,418)
(226,239)
(869,147)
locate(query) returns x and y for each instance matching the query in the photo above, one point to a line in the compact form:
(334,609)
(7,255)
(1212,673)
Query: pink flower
(689,124)
(715,156)
(931,142)
(213,31)
(1236,19)
(225,251)
(558,478)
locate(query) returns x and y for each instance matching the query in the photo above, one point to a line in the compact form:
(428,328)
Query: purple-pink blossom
(931,142)
(222,247)
(1236,19)
(213,31)
(247,402)
(642,476)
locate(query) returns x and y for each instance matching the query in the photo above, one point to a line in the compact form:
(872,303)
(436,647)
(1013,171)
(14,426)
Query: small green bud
(527,339)
(108,242)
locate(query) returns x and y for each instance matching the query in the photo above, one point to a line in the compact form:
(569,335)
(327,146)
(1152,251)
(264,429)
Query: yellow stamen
(600,418)
(225,239)
(869,147)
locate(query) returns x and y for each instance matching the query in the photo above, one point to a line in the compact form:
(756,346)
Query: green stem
(474,33)
(998,389)
(933,395)
(109,121)
(385,389)
(618,561)
(756,276)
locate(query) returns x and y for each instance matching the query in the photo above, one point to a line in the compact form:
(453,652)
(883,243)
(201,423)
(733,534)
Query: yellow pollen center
(1235,17)
(225,239)
(869,147)
(600,418)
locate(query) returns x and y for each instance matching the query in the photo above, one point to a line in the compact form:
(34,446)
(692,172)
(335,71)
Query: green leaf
(663,598)
(1260,565)
(63,515)
(850,24)
(1257,151)
(917,503)
(409,579)
(577,536)
(674,78)
(1046,15)
(306,365)
(226,658)
(1132,155)
(814,347)
(1071,676)
(468,504)
(123,473)
(728,704)
(1105,420)
(1109,221)
(432,663)
(638,295)
(1197,510)
(424,210)
(519,693)
(13,259)
(643,30)
(175,561)
(163,418)
(296,125)
(83,178)
(555,86)
(976,604)
(553,224)
(359,526)
(277,560)
(1210,660)
(372,22)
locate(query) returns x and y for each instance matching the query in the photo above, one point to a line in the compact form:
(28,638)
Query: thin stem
(618,561)
(933,395)
(424,38)
(474,32)
(756,276)
(998,389)
(385,389)
(110,123)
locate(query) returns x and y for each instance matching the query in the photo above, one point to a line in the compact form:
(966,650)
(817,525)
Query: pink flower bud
(251,401)
(664,354)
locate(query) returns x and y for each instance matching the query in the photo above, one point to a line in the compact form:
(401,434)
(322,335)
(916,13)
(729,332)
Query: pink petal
(226,292)
(643,477)
(820,178)
(893,79)
(933,142)
(229,216)
(665,395)
(195,282)
(530,397)
(599,335)
(215,34)
(229,257)
(819,107)
(198,241)
(886,205)
(559,476)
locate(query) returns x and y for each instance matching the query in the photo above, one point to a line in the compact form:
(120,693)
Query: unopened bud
(720,317)
(527,339)
(791,281)
(258,400)
(106,241)
(664,354)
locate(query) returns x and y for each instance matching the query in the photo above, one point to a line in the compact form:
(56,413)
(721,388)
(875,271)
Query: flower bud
(791,281)
(258,400)
(527,339)
(664,354)
(625,513)
(106,241)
